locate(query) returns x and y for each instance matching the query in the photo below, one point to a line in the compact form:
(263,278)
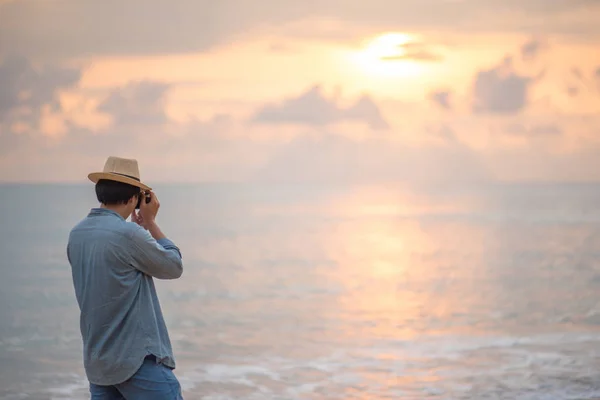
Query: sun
(386,45)
(381,57)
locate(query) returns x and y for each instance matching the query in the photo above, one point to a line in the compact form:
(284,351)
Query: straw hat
(119,169)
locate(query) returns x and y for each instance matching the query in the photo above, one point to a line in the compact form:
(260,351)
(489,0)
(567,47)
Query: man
(126,347)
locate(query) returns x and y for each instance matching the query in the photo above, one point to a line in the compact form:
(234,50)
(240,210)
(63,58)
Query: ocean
(307,292)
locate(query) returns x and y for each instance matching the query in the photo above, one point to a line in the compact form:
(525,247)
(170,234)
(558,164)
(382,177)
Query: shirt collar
(98,211)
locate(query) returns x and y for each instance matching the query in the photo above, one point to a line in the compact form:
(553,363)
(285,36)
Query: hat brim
(96,176)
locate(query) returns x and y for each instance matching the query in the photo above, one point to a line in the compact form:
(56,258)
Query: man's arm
(155,231)
(153,253)
(155,256)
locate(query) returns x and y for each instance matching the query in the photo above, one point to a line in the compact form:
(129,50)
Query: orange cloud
(314,108)
(79,28)
(241,124)
(52,124)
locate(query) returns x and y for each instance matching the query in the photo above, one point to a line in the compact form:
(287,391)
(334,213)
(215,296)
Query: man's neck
(120,209)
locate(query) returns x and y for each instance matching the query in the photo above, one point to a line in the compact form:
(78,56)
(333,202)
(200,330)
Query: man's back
(113,262)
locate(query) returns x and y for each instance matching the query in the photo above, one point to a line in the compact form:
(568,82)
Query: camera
(145,195)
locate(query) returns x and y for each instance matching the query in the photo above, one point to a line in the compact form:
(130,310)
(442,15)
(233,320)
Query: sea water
(356,292)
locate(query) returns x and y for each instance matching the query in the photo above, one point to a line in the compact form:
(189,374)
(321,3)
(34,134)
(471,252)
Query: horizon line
(341,183)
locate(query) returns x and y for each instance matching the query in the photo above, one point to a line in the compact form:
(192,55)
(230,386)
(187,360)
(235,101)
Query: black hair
(112,192)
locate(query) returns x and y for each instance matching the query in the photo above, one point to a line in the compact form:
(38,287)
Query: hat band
(128,176)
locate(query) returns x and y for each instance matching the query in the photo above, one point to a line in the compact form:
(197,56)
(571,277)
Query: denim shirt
(113,263)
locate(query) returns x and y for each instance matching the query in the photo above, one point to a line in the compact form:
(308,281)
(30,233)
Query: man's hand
(137,218)
(146,217)
(149,210)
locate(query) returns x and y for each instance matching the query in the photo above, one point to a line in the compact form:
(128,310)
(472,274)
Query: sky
(420,92)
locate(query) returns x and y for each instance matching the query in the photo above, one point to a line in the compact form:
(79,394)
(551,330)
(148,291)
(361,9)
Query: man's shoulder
(131,229)
(137,233)
(89,227)
(79,227)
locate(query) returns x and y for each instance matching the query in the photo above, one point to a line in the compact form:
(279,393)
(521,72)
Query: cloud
(195,151)
(331,158)
(441,98)
(538,163)
(501,90)
(137,112)
(137,103)
(315,109)
(579,82)
(531,49)
(572,91)
(10,141)
(414,51)
(225,149)
(30,103)
(29,89)
(206,151)
(576,72)
(365,109)
(421,55)
(76,28)
(445,133)
(214,150)
(541,130)
(30,100)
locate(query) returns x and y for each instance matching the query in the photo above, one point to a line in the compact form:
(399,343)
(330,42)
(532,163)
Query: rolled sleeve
(167,244)
(160,259)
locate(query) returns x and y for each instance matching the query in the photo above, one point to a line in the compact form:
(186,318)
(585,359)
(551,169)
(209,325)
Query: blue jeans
(153,381)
